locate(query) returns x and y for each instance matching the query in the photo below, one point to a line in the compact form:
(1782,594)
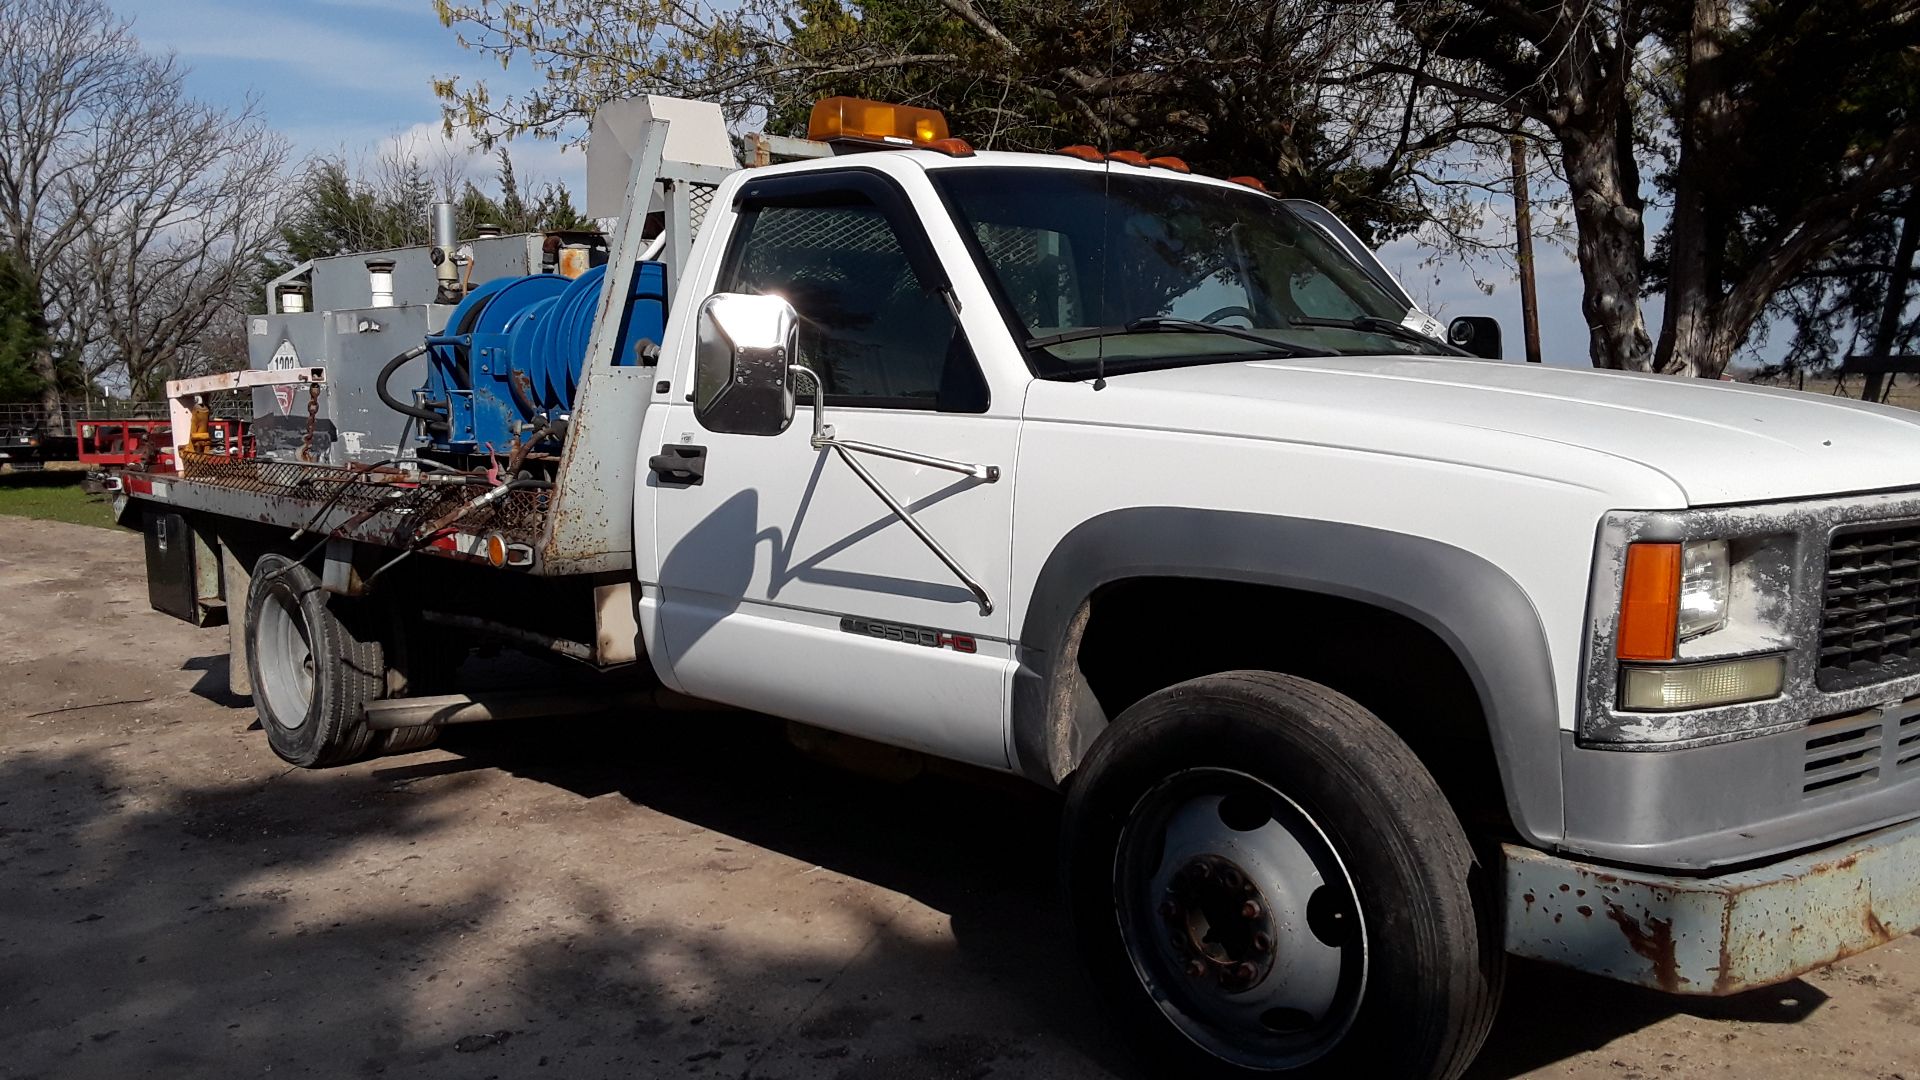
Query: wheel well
(1144,634)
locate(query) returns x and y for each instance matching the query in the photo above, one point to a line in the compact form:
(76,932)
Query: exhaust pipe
(392,714)
(445,242)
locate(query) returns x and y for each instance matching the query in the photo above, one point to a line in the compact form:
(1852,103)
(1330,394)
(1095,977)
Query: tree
(340,210)
(176,259)
(1231,86)
(22,335)
(130,208)
(1857,298)
(335,212)
(1768,125)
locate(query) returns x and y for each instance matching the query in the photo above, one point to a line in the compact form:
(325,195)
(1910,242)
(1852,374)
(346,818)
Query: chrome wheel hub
(284,650)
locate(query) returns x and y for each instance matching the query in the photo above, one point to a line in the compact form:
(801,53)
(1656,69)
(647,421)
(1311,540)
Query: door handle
(680,463)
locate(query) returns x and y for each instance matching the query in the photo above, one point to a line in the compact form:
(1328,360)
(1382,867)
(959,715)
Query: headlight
(1706,580)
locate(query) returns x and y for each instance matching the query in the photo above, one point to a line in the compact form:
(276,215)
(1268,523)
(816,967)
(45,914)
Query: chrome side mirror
(743,345)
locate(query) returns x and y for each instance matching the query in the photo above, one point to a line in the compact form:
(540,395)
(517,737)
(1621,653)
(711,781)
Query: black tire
(422,661)
(1429,954)
(318,720)
(404,740)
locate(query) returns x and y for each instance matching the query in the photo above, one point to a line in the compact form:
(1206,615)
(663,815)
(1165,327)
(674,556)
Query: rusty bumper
(1715,935)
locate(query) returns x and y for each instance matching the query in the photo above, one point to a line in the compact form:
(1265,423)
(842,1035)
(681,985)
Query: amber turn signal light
(1649,603)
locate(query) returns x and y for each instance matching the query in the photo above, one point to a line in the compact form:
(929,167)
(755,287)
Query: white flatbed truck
(1361,661)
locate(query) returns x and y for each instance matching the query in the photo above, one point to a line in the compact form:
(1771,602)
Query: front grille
(1870,625)
(1859,749)
(1842,753)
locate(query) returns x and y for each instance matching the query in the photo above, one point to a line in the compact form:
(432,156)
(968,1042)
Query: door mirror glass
(742,346)
(1478,334)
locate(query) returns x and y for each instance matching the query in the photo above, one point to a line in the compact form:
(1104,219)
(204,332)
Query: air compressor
(503,374)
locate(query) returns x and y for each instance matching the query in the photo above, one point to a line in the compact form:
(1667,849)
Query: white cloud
(308,46)
(535,161)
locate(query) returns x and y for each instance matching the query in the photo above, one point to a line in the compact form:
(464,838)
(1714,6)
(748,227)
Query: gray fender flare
(1473,606)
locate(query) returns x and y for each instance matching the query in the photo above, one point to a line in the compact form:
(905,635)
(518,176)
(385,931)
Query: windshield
(1072,249)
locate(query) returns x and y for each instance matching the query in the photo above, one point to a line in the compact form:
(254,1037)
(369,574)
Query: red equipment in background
(111,445)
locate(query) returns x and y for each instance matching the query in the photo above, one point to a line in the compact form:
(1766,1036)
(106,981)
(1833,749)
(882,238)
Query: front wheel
(1266,881)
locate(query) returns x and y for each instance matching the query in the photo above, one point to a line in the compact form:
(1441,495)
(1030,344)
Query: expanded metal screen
(307,488)
(699,198)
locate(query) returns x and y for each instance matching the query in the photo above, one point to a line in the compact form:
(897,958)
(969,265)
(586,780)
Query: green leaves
(1232,86)
(22,333)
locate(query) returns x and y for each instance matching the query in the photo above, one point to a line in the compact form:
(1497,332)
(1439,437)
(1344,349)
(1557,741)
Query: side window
(874,334)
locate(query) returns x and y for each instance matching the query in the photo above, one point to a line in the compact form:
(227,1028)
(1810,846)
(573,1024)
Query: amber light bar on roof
(855,119)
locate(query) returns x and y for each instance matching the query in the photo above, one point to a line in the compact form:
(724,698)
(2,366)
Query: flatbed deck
(387,507)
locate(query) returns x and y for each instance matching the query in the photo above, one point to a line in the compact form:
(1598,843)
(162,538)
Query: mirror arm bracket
(906,518)
(823,439)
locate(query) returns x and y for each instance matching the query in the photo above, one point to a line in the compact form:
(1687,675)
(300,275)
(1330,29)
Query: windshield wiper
(1374,324)
(1154,324)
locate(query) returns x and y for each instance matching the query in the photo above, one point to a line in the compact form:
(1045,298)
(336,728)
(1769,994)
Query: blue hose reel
(509,361)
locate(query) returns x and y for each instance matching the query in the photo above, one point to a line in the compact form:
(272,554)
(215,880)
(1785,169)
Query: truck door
(786,584)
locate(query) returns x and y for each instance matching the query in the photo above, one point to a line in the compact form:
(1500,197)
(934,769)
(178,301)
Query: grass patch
(53,496)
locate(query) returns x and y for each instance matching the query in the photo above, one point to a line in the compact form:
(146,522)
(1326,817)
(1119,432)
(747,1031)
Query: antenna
(1106,191)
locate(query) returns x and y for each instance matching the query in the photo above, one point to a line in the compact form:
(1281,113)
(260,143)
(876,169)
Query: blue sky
(336,76)
(347,76)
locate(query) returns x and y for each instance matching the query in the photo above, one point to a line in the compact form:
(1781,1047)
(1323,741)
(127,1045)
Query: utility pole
(1523,252)
(1895,303)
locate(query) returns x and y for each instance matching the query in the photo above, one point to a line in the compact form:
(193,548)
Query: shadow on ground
(42,478)
(156,929)
(152,929)
(212,684)
(1550,1014)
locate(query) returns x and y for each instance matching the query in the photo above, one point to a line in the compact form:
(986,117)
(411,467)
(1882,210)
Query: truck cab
(1362,659)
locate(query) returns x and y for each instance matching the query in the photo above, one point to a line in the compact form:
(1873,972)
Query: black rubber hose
(428,418)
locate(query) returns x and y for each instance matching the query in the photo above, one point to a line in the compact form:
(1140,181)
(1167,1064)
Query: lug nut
(1244,973)
(1262,943)
(1196,968)
(1169,910)
(1250,910)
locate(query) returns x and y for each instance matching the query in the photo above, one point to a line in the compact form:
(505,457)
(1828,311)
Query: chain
(313,412)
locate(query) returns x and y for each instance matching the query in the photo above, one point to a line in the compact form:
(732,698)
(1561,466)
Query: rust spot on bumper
(1877,928)
(1653,940)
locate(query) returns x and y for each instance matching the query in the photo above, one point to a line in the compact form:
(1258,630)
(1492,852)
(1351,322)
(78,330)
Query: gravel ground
(663,896)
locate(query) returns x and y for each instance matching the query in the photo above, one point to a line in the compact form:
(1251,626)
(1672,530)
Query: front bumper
(1716,935)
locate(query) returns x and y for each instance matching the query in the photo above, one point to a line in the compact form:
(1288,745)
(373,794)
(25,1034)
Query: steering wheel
(1229,312)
